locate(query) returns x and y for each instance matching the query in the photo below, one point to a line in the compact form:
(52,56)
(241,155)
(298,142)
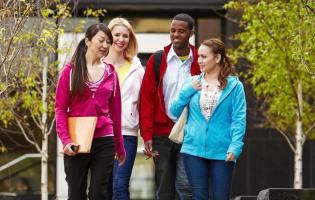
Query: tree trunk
(300,139)
(44,160)
(44,167)
(298,162)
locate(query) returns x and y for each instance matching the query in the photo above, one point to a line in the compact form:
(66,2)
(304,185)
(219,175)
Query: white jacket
(130,97)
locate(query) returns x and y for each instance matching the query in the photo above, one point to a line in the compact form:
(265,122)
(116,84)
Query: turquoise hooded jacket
(224,131)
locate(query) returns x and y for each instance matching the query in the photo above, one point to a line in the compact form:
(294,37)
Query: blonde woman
(123,55)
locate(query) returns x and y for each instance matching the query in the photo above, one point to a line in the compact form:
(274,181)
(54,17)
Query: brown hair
(132,48)
(217,47)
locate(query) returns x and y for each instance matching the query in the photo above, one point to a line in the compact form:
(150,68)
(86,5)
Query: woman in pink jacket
(89,87)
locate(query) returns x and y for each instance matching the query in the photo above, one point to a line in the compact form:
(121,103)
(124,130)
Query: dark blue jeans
(200,170)
(122,173)
(170,178)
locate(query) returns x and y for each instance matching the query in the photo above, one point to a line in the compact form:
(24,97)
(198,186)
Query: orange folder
(81,130)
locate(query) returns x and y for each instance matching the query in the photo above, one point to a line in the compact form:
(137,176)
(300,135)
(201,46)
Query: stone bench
(245,198)
(287,194)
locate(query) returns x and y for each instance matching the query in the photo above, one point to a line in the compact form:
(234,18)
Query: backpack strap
(157,65)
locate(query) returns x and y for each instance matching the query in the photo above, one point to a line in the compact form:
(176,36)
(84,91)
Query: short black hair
(186,18)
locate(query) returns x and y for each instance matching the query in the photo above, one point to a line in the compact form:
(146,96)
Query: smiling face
(207,60)
(121,37)
(180,34)
(98,46)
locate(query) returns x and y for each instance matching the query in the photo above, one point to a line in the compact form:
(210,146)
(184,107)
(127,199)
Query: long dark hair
(217,47)
(79,71)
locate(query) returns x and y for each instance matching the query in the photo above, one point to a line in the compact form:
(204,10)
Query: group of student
(105,78)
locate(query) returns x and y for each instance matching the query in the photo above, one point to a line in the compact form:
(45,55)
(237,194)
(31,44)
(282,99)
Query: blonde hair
(132,48)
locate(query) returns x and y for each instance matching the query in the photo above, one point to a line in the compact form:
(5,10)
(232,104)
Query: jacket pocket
(130,115)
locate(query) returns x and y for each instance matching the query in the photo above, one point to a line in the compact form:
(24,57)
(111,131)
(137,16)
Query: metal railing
(19,159)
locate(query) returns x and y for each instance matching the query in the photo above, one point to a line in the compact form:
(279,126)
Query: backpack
(157,65)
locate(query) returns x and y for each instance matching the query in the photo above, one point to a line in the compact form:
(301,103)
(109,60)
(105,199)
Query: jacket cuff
(234,151)
(147,137)
(121,151)
(66,141)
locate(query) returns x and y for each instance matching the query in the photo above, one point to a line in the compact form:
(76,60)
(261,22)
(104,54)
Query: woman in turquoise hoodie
(215,125)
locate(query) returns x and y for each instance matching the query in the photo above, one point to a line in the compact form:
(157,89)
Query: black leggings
(100,163)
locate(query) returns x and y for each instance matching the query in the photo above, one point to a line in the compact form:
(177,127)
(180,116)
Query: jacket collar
(135,64)
(232,82)
(195,69)
(192,48)
(172,54)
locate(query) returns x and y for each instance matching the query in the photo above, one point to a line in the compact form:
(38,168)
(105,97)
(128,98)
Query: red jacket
(153,117)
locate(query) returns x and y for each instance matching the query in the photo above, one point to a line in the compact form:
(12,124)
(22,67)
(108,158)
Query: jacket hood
(193,49)
(232,80)
(136,61)
(110,69)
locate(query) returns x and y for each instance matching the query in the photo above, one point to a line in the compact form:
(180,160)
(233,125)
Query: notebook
(81,130)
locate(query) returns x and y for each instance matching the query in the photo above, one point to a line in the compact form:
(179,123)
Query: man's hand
(148,150)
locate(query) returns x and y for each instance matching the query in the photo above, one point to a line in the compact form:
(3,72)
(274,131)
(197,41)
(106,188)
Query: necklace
(208,99)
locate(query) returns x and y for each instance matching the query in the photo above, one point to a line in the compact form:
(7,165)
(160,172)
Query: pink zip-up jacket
(105,103)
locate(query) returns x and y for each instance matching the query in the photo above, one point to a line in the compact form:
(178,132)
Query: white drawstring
(70,78)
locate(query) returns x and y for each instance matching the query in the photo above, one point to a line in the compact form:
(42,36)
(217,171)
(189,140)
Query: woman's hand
(121,159)
(196,84)
(71,149)
(230,157)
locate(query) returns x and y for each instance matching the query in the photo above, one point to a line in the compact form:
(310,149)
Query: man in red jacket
(179,61)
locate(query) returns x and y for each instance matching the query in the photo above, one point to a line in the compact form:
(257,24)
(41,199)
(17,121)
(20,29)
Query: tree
(28,70)
(278,39)
(29,33)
